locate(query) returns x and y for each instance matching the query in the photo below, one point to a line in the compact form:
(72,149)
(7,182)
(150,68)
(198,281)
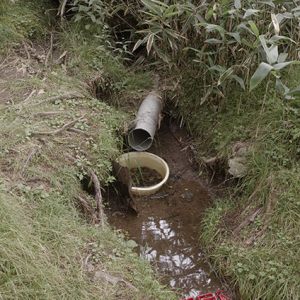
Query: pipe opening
(140,139)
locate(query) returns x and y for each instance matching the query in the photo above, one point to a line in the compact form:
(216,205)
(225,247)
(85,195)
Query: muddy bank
(167,226)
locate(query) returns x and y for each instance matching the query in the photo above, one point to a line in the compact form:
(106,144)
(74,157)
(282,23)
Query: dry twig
(250,218)
(59,97)
(50,50)
(57,131)
(114,280)
(98,197)
(29,157)
(72,129)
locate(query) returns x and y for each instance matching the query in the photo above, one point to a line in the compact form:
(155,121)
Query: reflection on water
(171,249)
(167,231)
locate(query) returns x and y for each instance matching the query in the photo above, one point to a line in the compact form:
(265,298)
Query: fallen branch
(72,129)
(57,131)
(250,218)
(31,94)
(98,197)
(59,97)
(50,50)
(29,157)
(114,280)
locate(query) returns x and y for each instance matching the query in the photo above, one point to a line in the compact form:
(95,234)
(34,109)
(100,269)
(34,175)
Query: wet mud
(167,226)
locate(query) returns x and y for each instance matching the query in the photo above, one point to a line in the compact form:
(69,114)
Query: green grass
(261,261)
(23,20)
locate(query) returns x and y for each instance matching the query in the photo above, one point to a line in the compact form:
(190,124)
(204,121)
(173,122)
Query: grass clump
(23,20)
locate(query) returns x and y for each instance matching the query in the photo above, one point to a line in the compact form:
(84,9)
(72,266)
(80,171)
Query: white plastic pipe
(141,137)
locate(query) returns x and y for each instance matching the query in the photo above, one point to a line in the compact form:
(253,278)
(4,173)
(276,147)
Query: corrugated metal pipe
(141,137)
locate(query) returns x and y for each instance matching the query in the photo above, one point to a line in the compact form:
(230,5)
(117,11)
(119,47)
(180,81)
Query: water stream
(167,226)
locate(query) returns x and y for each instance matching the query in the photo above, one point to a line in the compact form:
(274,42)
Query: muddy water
(167,226)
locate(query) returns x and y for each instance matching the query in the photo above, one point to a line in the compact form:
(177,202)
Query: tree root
(97,186)
(98,197)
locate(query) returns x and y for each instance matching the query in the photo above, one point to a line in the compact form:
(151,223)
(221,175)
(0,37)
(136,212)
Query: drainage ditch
(167,225)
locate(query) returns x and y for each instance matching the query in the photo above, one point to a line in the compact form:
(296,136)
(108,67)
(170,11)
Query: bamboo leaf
(239,80)
(294,91)
(259,75)
(250,12)
(247,43)
(150,42)
(137,44)
(225,75)
(152,7)
(236,35)
(209,91)
(283,65)
(213,41)
(282,57)
(254,28)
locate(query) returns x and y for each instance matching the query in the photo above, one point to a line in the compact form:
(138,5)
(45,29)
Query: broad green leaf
(131,244)
(283,65)
(259,75)
(271,53)
(225,75)
(239,80)
(160,3)
(152,7)
(294,91)
(170,14)
(247,43)
(244,27)
(270,3)
(200,18)
(282,57)
(282,89)
(254,28)
(236,35)
(213,41)
(170,8)
(276,38)
(250,12)
(209,14)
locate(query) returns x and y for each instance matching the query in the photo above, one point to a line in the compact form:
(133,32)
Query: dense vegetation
(229,70)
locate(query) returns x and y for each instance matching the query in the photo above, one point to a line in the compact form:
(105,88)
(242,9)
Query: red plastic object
(209,296)
(221,297)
